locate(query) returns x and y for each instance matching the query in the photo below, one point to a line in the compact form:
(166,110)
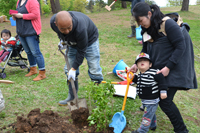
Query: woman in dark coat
(172,54)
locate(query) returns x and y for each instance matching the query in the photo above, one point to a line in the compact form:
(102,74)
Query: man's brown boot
(40,76)
(33,70)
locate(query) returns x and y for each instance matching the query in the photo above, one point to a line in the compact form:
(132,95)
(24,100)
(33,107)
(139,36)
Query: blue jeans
(149,118)
(93,60)
(31,47)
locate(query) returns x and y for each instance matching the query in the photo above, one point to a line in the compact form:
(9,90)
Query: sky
(163,3)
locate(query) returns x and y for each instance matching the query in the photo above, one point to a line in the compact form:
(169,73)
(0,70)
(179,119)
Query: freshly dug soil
(51,122)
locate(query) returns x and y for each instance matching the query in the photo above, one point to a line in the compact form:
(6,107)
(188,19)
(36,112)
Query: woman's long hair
(141,9)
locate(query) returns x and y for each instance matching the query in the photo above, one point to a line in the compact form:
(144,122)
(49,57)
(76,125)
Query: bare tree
(53,6)
(124,4)
(40,7)
(185,5)
(57,2)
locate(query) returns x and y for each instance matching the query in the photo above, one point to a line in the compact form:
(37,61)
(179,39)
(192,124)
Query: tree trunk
(124,4)
(40,7)
(185,5)
(53,7)
(57,2)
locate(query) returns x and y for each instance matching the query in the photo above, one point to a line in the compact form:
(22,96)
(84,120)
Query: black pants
(169,108)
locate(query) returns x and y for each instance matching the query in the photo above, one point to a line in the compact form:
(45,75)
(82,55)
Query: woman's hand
(14,18)
(133,69)
(18,15)
(164,71)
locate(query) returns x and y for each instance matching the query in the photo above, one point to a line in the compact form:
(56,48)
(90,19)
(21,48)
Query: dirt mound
(50,122)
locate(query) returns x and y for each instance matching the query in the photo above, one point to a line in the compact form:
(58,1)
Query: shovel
(109,7)
(75,103)
(118,83)
(6,81)
(119,120)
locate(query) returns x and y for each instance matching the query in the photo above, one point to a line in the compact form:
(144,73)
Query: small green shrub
(101,95)
(45,9)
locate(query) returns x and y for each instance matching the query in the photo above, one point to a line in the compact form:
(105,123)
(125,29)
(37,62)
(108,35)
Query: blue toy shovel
(119,120)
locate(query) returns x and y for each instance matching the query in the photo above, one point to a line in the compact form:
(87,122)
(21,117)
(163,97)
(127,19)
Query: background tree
(90,6)
(185,5)
(53,6)
(6,5)
(198,2)
(124,4)
(79,5)
(150,2)
(40,7)
(175,2)
(57,2)
(66,5)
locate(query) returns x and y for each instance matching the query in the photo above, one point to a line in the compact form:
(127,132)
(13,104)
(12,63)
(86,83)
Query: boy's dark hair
(5,31)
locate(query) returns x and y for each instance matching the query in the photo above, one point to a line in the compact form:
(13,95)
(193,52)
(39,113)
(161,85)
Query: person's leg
(4,55)
(169,108)
(33,44)
(93,60)
(148,118)
(31,58)
(71,57)
(1,52)
(133,26)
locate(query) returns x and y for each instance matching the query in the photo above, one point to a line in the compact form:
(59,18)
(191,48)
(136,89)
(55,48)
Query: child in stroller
(11,52)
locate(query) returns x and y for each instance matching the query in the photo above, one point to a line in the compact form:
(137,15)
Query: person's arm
(162,86)
(176,38)
(33,9)
(135,79)
(82,44)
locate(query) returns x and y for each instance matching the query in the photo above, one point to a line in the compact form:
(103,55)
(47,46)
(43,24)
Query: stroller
(14,58)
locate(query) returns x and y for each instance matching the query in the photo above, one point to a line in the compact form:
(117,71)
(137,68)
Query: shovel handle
(111,82)
(71,80)
(127,88)
(6,81)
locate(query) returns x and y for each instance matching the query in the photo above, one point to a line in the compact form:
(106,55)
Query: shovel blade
(118,122)
(82,103)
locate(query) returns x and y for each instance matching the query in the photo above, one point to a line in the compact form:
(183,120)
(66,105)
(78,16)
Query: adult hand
(14,18)
(60,46)
(164,71)
(133,69)
(163,95)
(18,15)
(72,74)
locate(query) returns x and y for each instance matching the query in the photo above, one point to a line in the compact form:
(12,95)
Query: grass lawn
(25,94)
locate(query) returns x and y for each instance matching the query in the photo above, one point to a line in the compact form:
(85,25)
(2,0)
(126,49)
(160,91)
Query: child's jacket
(149,84)
(11,41)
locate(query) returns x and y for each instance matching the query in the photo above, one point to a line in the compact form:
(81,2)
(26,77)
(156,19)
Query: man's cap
(142,55)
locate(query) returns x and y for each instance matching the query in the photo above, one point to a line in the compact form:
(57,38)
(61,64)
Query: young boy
(6,42)
(150,86)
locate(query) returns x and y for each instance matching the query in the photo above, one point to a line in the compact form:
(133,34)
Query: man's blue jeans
(93,60)
(31,47)
(149,118)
